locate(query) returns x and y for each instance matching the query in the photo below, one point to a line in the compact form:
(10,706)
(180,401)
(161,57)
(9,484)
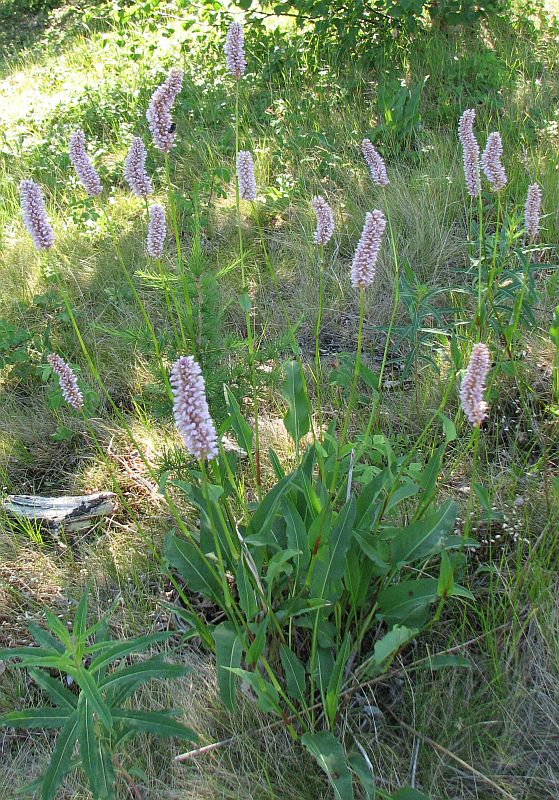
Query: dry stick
(453,756)
(347,693)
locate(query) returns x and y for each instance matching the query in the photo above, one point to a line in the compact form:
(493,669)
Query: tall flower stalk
(322,235)
(236,65)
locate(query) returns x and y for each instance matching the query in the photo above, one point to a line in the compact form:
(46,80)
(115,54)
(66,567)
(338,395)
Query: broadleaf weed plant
(323,577)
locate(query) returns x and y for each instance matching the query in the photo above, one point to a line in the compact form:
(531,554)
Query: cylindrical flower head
(245,175)
(324,220)
(156,231)
(375,163)
(368,248)
(532,211)
(470,151)
(190,409)
(68,381)
(85,171)
(491,162)
(158,114)
(473,385)
(34,215)
(135,169)
(235,50)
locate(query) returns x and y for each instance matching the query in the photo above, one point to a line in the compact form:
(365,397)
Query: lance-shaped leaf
(330,568)
(294,674)
(330,756)
(187,559)
(158,723)
(35,718)
(297,420)
(424,538)
(60,758)
(97,767)
(228,652)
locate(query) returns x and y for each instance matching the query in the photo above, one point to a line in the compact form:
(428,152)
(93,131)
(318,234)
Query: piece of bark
(71,513)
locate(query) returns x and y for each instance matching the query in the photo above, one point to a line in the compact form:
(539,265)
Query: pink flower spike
(68,381)
(375,163)
(135,169)
(324,220)
(532,211)
(190,409)
(245,175)
(156,231)
(85,171)
(368,248)
(234,50)
(470,152)
(473,385)
(158,114)
(34,215)
(491,162)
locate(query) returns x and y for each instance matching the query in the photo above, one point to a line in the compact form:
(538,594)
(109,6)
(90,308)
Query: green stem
(318,367)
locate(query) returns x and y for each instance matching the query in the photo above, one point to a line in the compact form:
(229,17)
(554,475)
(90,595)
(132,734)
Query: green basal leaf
(336,680)
(294,674)
(267,695)
(228,652)
(391,643)
(407,602)
(144,671)
(297,420)
(258,643)
(91,691)
(443,661)
(243,432)
(187,559)
(101,780)
(330,568)
(330,756)
(424,538)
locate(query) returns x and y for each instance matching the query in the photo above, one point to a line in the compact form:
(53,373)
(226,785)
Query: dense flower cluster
(34,215)
(245,175)
(491,162)
(368,248)
(375,163)
(156,231)
(473,385)
(158,114)
(470,151)
(234,50)
(324,220)
(82,164)
(532,211)
(135,170)
(68,381)
(190,409)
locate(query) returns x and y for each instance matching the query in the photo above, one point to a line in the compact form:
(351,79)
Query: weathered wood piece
(71,513)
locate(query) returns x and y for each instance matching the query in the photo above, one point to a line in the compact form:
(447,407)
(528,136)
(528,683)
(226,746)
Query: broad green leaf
(406,603)
(428,479)
(375,549)
(483,496)
(158,723)
(423,538)
(258,643)
(279,565)
(260,524)
(402,493)
(35,718)
(330,756)
(297,536)
(449,429)
(90,689)
(297,420)
(248,599)
(276,464)
(268,698)
(387,647)
(294,674)
(243,431)
(336,680)
(367,505)
(228,652)
(55,689)
(361,769)
(331,568)
(32,655)
(194,569)
(323,670)
(407,793)
(119,650)
(60,758)
(446,576)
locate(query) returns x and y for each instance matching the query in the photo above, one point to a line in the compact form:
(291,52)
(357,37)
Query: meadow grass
(304,120)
